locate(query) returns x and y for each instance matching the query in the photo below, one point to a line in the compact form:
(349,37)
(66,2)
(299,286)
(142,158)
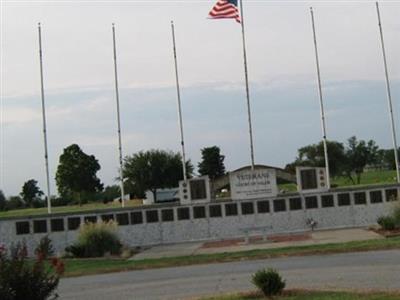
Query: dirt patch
(387,233)
(220,244)
(258,239)
(290,238)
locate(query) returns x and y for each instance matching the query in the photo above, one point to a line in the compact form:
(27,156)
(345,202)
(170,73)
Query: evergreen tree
(76,173)
(212,163)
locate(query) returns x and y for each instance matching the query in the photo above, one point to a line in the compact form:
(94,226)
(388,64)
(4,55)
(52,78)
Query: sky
(79,80)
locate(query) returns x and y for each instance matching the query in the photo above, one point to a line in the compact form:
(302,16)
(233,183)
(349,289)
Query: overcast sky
(79,82)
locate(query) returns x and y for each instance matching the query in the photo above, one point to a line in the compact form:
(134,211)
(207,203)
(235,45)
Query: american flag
(226,9)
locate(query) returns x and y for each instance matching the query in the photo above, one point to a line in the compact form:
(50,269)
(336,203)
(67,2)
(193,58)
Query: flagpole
(389,95)
(118,121)
(247,86)
(323,124)
(46,156)
(179,103)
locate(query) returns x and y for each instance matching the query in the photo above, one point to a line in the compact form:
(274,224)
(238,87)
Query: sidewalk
(236,245)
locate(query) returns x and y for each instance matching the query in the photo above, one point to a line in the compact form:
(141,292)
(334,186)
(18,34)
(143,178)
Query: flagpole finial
(113,24)
(39,24)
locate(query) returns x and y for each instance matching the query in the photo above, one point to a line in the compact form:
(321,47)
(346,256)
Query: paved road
(366,270)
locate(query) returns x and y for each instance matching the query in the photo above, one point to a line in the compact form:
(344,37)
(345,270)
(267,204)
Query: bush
(269,282)
(3,201)
(95,240)
(59,201)
(396,216)
(22,279)
(37,203)
(75,250)
(45,248)
(14,202)
(387,222)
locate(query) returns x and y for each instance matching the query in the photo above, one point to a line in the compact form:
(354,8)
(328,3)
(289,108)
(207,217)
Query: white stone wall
(213,228)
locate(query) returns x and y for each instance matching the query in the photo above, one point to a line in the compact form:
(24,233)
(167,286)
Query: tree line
(348,159)
(77,181)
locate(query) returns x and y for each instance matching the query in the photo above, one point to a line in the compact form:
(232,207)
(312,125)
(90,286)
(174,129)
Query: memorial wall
(176,223)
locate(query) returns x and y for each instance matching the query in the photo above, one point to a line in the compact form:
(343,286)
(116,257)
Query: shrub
(37,203)
(22,279)
(60,201)
(45,248)
(14,202)
(3,202)
(269,282)
(95,240)
(396,216)
(75,250)
(387,222)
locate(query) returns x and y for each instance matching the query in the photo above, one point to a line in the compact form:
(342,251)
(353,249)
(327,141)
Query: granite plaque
(252,184)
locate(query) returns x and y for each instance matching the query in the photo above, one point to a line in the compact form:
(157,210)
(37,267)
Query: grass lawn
(64,209)
(372,177)
(312,295)
(80,267)
(367,178)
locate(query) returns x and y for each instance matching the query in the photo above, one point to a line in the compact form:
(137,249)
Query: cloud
(19,115)
(78,55)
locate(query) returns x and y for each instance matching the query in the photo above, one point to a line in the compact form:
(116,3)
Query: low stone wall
(174,223)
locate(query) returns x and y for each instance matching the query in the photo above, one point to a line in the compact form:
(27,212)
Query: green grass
(80,267)
(288,187)
(312,295)
(367,178)
(372,177)
(65,209)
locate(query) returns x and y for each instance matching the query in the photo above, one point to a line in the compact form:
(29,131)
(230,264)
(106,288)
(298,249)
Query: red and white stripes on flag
(225,9)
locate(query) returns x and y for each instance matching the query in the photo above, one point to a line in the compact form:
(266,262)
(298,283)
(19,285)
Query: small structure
(163,196)
(376,167)
(127,197)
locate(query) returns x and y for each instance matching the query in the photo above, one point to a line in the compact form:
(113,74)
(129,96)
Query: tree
(14,202)
(109,193)
(3,202)
(349,160)
(358,155)
(313,156)
(134,190)
(76,173)
(212,163)
(386,158)
(154,169)
(31,192)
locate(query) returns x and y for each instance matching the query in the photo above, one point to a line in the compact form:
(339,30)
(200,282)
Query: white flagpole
(118,121)
(328,181)
(247,86)
(179,103)
(46,156)
(389,96)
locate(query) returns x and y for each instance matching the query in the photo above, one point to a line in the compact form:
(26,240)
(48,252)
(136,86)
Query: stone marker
(252,184)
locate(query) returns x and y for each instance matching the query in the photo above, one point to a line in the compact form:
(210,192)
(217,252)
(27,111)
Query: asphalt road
(366,270)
